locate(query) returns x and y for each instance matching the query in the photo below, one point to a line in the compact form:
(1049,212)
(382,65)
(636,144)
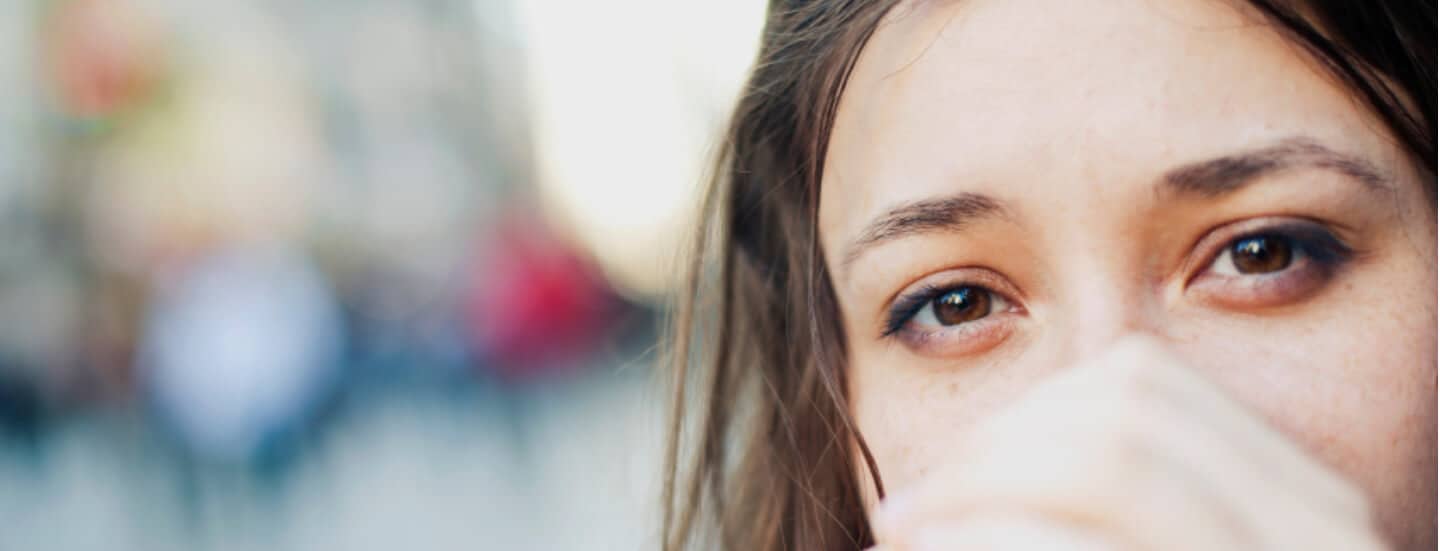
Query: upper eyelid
(956,277)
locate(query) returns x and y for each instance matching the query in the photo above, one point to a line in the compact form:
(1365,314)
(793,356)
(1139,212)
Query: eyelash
(1310,243)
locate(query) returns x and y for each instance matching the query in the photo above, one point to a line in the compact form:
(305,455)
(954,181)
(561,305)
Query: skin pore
(1011,186)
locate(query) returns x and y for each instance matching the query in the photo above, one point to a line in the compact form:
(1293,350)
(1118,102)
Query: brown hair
(762,446)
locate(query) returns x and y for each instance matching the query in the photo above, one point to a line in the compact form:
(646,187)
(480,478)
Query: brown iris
(961,305)
(1260,254)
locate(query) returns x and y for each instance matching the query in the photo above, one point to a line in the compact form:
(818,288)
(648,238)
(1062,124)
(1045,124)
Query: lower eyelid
(967,338)
(1305,276)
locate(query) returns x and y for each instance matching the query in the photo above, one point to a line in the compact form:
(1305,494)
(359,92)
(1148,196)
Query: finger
(1263,510)
(1256,478)
(1077,470)
(1083,447)
(1229,426)
(1144,443)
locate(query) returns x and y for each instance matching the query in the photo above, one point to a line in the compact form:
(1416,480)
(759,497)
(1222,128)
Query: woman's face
(1010,186)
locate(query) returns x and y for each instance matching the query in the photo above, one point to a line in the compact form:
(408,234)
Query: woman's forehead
(1032,99)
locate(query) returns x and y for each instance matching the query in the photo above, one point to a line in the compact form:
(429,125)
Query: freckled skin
(1069,112)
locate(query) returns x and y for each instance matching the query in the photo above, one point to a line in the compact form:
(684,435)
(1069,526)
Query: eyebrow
(1223,175)
(1205,179)
(947,213)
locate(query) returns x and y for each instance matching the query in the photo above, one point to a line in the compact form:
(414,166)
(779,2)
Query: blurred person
(1067,275)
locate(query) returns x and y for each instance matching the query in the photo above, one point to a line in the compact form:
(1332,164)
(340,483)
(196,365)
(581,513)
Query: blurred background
(345,274)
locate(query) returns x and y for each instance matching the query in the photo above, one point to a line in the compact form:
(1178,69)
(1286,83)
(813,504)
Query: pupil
(1260,254)
(961,305)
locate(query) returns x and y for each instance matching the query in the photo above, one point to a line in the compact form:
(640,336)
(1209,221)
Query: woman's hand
(1129,451)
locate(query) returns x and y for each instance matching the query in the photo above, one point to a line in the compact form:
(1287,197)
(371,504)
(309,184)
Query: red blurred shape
(537,305)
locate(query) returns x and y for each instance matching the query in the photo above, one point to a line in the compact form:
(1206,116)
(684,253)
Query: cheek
(1336,389)
(912,412)
(1353,385)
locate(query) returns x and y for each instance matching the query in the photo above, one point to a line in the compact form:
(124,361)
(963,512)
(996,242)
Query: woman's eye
(1260,254)
(1272,266)
(960,315)
(956,306)
(951,321)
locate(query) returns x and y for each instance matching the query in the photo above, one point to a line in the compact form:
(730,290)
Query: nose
(1099,308)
